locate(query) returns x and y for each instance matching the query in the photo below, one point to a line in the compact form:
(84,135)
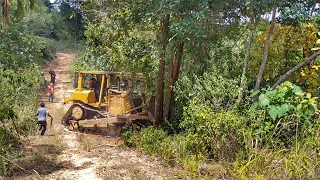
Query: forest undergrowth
(29,37)
(219,137)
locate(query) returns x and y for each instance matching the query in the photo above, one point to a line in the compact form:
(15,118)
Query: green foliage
(289,113)
(211,124)
(24,46)
(18,99)
(70,21)
(278,134)
(17,89)
(13,56)
(294,15)
(47,47)
(150,139)
(20,49)
(6,113)
(283,53)
(39,22)
(70,47)
(301,162)
(211,89)
(6,144)
(115,43)
(128,134)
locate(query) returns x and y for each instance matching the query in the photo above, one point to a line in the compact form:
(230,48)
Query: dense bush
(18,99)
(26,43)
(19,49)
(21,55)
(212,90)
(289,112)
(279,131)
(47,47)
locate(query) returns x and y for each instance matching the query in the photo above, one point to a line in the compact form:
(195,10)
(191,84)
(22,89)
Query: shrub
(128,134)
(47,48)
(215,91)
(150,139)
(289,116)
(278,137)
(18,89)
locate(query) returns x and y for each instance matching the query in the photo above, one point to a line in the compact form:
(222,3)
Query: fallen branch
(284,77)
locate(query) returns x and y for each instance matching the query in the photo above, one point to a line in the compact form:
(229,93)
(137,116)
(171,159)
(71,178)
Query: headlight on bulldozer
(67,95)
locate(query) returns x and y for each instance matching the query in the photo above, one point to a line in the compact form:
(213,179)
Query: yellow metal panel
(80,82)
(126,105)
(85,96)
(118,104)
(98,72)
(114,104)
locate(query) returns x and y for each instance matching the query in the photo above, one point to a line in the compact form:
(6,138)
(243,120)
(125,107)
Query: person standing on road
(51,92)
(42,113)
(53,77)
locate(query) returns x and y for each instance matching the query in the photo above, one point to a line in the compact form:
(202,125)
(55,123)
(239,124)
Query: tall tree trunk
(245,63)
(294,69)
(173,75)
(169,87)
(266,50)
(5,12)
(160,85)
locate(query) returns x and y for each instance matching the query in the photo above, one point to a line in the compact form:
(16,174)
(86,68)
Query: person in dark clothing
(97,90)
(96,86)
(53,77)
(42,113)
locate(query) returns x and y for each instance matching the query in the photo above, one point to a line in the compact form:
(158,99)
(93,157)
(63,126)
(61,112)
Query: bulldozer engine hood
(85,96)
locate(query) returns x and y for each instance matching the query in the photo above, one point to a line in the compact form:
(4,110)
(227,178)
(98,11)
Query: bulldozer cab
(103,89)
(89,88)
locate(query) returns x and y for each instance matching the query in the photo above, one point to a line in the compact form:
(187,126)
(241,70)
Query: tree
(266,49)
(160,81)
(173,75)
(19,10)
(246,58)
(5,12)
(73,19)
(183,42)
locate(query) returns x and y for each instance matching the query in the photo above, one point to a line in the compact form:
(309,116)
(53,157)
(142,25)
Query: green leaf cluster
(287,99)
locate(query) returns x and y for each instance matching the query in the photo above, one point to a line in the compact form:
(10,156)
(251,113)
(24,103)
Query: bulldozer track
(87,110)
(104,114)
(96,117)
(102,123)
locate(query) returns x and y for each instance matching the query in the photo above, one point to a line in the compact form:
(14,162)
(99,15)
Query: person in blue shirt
(42,113)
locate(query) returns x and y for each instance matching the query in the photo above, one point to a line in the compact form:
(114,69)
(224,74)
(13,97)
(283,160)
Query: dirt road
(70,155)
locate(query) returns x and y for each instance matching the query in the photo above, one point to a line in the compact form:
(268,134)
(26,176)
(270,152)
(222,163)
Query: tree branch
(294,69)
(266,50)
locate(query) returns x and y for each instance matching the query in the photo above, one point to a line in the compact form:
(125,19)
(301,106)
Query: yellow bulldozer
(104,101)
